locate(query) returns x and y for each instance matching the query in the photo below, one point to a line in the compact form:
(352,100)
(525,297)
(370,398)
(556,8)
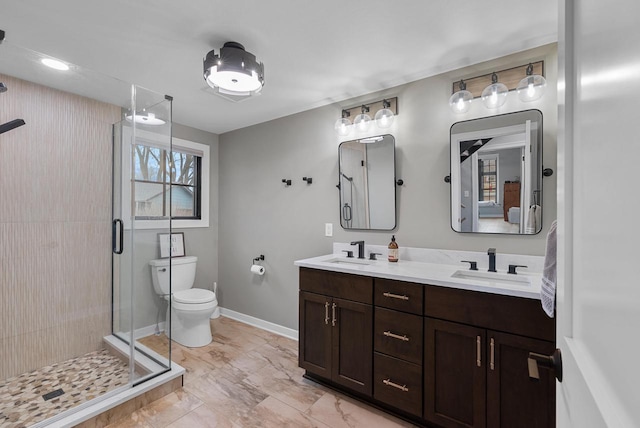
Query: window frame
(164,142)
(490,157)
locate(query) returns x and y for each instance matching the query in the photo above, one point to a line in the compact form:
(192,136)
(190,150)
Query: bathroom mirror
(366,179)
(496,174)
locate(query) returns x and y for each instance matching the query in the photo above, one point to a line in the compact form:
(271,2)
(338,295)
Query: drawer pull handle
(492,359)
(333,313)
(478,351)
(395,296)
(404,337)
(402,388)
(326,313)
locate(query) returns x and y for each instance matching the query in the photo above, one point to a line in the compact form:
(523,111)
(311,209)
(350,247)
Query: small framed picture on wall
(171,244)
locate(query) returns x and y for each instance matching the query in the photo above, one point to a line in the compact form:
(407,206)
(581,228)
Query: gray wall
(200,242)
(261,216)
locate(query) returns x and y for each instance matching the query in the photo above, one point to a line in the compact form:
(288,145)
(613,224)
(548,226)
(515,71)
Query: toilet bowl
(188,309)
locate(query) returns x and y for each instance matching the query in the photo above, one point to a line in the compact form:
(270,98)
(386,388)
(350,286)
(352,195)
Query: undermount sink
(495,277)
(350,261)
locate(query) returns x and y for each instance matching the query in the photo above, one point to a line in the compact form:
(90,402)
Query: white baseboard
(257,322)
(144,331)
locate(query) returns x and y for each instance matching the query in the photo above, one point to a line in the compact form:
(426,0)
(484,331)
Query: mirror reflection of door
(367,183)
(496,174)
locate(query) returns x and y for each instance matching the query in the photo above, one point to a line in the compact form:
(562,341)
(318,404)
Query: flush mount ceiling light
(494,95)
(146,118)
(55,64)
(460,102)
(343,125)
(384,116)
(532,87)
(234,71)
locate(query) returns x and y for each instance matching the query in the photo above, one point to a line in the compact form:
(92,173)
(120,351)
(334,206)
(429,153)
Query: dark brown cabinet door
(454,374)
(315,333)
(515,399)
(353,345)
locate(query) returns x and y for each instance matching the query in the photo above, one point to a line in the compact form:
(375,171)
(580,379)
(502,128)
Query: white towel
(533,219)
(549,273)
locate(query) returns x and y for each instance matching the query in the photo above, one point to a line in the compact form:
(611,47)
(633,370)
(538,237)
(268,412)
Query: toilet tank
(183,273)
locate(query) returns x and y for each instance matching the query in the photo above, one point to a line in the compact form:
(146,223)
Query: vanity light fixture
(494,95)
(532,87)
(386,111)
(384,116)
(234,71)
(343,125)
(362,122)
(460,102)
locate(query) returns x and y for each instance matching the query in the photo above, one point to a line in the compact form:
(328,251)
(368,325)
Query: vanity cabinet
(336,324)
(477,376)
(436,356)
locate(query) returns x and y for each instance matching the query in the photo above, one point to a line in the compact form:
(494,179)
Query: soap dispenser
(393,250)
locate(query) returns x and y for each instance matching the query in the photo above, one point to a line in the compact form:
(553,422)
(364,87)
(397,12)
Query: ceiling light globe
(234,81)
(495,95)
(362,122)
(384,118)
(343,127)
(531,88)
(460,102)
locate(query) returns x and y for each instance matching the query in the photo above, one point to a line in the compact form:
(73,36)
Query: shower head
(11,125)
(3,87)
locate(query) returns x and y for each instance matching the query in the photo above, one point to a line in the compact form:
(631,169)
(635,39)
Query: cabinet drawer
(399,295)
(398,334)
(397,383)
(342,285)
(510,314)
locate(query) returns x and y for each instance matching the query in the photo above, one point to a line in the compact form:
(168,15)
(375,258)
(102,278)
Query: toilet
(192,307)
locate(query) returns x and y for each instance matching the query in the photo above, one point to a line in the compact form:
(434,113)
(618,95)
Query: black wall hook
(309,180)
(286,181)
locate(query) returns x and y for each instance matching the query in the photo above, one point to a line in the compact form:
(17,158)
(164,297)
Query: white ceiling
(315,52)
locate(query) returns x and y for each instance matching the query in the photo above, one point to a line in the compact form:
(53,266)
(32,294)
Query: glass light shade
(495,95)
(234,81)
(343,127)
(146,119)
(531,88)
(460,102)
(362,122)
(384,118)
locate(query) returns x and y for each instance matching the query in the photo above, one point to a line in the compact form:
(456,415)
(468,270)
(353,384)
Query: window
(167,183)
(488,171)
(166,180)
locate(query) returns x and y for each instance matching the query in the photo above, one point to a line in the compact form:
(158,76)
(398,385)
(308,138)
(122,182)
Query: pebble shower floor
(82,379)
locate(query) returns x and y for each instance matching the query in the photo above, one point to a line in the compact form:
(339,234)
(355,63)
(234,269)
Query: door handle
(553,361)
(326,313)
(478,351)
(114,243)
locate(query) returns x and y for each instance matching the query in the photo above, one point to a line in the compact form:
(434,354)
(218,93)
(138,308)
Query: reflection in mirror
(367,183)
(496,174)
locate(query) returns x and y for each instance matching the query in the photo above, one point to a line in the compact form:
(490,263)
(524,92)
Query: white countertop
(429,273)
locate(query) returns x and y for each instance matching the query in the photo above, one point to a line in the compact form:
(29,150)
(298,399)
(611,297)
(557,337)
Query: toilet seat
(194,296)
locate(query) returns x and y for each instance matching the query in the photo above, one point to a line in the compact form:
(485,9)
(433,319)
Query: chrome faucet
(492,259)
(360,245)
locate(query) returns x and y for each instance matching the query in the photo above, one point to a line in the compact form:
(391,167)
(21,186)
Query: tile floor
(248,377)
(81,379)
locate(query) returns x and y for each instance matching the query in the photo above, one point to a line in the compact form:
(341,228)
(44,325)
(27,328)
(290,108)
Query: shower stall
(80,325)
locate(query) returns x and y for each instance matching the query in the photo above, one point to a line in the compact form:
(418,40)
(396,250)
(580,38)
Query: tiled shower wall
(55,216)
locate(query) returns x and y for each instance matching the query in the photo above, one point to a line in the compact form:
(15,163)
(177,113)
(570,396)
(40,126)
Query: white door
(598,206)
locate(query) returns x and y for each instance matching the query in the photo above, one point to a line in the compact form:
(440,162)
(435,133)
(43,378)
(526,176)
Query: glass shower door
(141,217)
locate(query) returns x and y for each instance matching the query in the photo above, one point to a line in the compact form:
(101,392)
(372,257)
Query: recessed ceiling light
(55,64)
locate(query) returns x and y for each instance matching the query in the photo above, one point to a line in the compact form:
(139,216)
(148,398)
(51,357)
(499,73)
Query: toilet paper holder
(257,259)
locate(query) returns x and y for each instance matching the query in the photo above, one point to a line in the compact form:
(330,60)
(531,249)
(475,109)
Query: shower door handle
(114,227)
